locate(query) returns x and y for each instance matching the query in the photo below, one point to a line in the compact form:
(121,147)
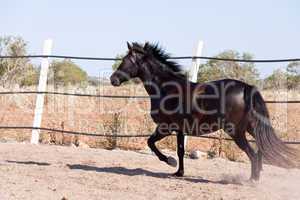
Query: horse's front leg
(156,136)
(180,153)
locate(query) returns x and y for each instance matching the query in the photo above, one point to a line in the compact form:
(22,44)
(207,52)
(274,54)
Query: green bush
(293,75)
(31,77)
(66,72)
(217,69)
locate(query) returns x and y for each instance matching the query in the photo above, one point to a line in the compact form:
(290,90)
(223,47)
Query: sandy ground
(53,172)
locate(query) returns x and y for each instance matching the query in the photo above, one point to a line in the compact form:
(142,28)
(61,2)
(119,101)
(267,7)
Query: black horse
(201,108)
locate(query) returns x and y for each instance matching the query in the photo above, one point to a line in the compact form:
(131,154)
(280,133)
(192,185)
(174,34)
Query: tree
(293,75)
(117,62)
(31,77)
(277,80)
(66,72)
(289,79)
(216,69)
(14,71)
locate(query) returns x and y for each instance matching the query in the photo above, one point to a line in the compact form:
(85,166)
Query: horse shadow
(144,172)
(28,163)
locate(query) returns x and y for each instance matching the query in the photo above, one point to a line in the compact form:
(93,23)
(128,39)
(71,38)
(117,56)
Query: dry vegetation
(122,116)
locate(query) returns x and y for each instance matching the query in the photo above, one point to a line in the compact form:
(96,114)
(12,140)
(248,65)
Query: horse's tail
(273,149)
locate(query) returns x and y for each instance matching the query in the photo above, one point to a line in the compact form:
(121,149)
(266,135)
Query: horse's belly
(204,125)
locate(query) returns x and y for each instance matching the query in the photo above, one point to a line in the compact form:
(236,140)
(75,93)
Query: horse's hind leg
(259,153)
(259,160)
(156,136)
(240,139)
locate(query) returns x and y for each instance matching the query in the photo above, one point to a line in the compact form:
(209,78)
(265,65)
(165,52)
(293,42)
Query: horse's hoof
(251,182)
(178,174)
(172,161)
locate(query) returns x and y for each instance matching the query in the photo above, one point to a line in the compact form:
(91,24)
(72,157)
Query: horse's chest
(156,113)
(160,112)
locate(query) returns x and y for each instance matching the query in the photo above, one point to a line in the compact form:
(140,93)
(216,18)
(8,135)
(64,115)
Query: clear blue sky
(268,29)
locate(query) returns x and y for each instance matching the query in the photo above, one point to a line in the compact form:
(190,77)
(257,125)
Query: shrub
(66,72)
(216,69)
(13,71)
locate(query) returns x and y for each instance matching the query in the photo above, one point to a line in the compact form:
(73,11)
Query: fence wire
(172,58)
(105,96)
(119,136)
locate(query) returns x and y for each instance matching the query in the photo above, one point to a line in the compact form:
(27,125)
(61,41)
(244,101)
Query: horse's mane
(159,53)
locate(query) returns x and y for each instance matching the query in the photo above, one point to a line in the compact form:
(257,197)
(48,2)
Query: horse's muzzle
(115,81)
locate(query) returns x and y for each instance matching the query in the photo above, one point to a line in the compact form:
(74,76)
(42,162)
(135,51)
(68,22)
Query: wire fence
(105,96)
(110,135)
(129,96)
(120,136)
(173,58)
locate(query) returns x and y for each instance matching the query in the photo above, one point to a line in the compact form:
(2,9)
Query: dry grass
(224,148)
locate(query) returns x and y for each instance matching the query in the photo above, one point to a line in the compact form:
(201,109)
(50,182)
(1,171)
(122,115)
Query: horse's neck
(154,78)
(160,84)
(153,86)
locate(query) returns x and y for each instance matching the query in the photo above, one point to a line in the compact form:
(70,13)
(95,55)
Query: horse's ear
(146,45)
(129,46)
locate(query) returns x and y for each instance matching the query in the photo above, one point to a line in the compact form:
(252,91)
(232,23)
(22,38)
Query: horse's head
(130,66)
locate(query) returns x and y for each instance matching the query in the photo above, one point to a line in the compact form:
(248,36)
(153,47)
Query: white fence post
(38,112)
(193,73)
(196,62)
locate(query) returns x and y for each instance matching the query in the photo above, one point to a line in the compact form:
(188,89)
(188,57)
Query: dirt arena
(55,172)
